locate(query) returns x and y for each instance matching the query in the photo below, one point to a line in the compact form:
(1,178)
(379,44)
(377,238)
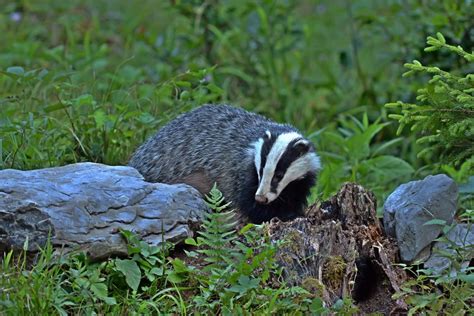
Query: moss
(313,285)
(294,241)
(333,271)
(286,259)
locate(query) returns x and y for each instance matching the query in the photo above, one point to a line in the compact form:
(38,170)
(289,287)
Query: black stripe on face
(291,153)
(266,147)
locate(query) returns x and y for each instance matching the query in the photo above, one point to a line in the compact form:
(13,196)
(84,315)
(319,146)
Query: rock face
(460,236)
(85,206)
(413,204)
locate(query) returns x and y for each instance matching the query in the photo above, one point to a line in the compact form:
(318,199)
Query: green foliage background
(91,80)
(85,80)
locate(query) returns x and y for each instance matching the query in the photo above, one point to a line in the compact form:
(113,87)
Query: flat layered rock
(85,205)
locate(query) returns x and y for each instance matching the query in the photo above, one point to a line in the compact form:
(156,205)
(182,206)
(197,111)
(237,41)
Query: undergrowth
(448,290)
(91,80)
(227,272)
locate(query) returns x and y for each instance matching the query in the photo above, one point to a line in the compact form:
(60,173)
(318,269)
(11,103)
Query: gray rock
(460,237)
(85,205)
(413,204)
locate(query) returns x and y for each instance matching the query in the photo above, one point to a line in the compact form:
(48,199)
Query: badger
(265,169)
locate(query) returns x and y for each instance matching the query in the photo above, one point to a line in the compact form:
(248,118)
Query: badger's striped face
(279,160)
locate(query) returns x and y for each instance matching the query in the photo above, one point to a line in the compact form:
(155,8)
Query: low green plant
(449,291)
(352,154)
(38,290)
(47,120)
(239,271)
(228,272)
(85,285)
(146,261)
(440,294)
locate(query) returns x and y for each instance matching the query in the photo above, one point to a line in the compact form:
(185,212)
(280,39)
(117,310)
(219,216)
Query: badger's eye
(278,176)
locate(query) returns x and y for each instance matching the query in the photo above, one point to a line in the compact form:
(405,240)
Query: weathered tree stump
(339,250)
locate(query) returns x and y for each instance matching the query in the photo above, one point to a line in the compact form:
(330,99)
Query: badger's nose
(261,199)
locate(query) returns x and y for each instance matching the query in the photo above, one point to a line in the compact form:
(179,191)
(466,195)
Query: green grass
(91,80)
(229,273)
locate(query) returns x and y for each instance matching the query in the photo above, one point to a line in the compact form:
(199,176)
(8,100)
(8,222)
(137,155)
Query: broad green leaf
(317,306)
(85,99)
(359,144)
(179,266)
(190,241)
(109,300)
(386,168)
(100,290)
(175,277)
(131,271)
(100,118)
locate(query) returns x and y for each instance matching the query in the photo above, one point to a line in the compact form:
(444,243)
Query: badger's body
(264,168)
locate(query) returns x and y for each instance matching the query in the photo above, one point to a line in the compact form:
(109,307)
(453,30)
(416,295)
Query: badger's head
(279,160)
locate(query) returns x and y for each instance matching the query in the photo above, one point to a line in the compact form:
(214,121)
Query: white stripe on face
(257,152)
(309,162)
(277,150)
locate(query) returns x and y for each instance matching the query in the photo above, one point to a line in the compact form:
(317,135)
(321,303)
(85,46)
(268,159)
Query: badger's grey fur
(265,169)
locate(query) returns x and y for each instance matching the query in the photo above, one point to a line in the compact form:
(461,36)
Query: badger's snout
(262,199)
(265,198)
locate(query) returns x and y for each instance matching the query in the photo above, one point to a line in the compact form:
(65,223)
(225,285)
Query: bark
(339,250)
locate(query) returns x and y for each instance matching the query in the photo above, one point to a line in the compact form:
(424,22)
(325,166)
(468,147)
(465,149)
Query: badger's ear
(268,135)
(302,146)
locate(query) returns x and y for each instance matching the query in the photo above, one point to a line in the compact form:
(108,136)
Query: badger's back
(208,144)
(213,143)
